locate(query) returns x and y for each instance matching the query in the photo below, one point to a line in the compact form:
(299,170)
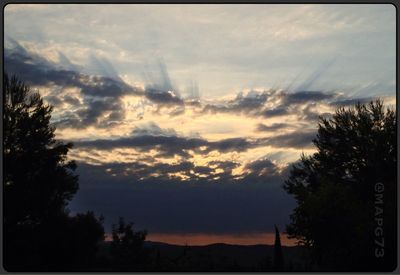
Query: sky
(186,119)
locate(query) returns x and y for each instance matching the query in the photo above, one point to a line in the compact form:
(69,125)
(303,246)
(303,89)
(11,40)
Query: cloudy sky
(186,118)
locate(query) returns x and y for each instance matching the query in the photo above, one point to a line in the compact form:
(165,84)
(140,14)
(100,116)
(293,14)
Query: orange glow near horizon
(206,239)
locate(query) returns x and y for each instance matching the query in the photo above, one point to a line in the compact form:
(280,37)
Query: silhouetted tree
(38,179)
(340,188)
(38,182)
(71,243)
(127,247)
(278,255)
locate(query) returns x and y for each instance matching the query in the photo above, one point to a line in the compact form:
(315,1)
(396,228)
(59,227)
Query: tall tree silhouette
(37,185)
(278,255)
(38,180)
(340,188)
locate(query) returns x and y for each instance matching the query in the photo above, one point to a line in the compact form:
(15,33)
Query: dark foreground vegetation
(214,257)
(345,218)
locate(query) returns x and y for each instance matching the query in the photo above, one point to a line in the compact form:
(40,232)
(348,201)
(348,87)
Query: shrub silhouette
(127,251)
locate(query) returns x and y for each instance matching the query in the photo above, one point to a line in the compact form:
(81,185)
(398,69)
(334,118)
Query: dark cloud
(248,104)
(310,114)
(272,103)
(193,102)
(168,143)
(231,144)
(262,167)
(163,97)
(167,146)
(307,96)
(100,94)
(159,88)
(279,111)
(166,204)
(252,100)
(297,139)
(224,165)
(153,129)
(97,107)
(275,126)
(177,111)
(351,101)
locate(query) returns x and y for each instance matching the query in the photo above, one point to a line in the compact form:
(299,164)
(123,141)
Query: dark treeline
(339,206)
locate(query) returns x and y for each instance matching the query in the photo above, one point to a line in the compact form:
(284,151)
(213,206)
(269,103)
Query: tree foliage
(335,189)
(38,183)
(38,179)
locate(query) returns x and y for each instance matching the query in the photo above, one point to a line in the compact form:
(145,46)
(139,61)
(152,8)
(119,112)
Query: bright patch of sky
(224,48)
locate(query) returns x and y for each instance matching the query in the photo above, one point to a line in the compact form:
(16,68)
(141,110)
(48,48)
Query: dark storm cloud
(188,210)
(150,172)
(166,204)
